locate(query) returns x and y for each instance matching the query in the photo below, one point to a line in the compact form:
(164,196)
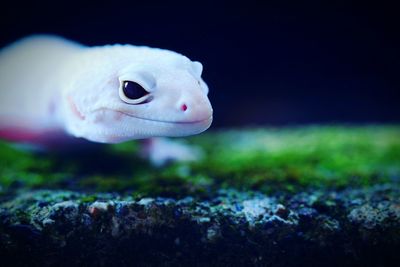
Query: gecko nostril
(184,107)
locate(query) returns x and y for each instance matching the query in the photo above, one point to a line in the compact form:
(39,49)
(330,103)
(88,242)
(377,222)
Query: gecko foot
(161,151)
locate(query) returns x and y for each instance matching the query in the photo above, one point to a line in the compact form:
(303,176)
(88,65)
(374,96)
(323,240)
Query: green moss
(261,159)
(319,156)
(88,198)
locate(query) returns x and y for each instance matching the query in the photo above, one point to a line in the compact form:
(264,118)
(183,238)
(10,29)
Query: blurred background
(266,62)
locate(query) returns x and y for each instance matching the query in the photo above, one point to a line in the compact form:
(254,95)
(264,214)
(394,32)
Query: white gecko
(53,90)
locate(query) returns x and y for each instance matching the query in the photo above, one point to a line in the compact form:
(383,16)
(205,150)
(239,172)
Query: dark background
(267,62)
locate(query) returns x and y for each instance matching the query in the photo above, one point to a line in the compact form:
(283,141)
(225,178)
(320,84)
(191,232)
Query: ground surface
(306,196)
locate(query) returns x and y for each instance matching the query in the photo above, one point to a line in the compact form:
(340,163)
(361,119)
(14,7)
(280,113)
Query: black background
(267,62)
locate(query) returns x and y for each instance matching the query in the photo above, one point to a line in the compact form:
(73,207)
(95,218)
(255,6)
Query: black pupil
(134,90)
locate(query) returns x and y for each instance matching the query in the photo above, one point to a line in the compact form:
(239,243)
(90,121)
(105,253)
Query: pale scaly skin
(53,90)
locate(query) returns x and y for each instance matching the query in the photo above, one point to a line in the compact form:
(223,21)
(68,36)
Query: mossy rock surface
(302,196)
(266,160)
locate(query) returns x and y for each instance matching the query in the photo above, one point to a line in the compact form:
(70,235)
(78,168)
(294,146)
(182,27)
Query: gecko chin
(128,127)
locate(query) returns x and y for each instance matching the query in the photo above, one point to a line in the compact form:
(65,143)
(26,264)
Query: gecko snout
(191,111)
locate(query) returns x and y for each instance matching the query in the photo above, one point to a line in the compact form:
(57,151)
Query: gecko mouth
(200,121)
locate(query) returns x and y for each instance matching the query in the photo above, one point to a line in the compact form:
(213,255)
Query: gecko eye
(134,90)
(133,93)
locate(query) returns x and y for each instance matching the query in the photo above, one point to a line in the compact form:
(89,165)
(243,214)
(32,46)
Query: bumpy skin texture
(52,88)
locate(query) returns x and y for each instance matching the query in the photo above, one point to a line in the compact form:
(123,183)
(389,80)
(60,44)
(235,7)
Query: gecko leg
(161,151)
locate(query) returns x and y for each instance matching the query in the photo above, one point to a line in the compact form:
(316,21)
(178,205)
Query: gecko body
(55,89)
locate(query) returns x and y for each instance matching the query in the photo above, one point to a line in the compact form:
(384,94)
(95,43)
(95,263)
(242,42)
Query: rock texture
(354,227)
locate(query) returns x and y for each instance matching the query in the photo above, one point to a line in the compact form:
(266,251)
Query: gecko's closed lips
(197,121)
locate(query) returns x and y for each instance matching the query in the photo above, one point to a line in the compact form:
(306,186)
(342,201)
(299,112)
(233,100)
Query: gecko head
(152,93)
